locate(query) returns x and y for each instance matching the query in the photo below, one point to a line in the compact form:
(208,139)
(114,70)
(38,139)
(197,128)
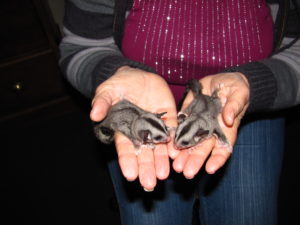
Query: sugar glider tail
(195,86)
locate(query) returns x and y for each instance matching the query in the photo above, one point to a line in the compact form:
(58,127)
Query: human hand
(234,95)
(151,93)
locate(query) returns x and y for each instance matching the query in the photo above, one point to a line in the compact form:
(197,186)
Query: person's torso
(184,39)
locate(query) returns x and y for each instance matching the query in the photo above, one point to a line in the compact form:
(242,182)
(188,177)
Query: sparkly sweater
(190,39)
(180,47)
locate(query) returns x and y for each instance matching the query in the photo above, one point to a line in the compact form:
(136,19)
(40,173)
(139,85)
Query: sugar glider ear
(145,135)
(160,115)
(181,116)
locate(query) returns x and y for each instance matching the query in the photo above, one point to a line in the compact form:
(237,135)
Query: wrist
(262,85)
(243,77)
(122,68)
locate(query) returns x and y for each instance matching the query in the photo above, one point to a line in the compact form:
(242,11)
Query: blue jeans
(242,192)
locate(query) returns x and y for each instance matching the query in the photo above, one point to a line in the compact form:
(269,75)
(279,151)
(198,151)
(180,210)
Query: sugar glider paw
(137,151)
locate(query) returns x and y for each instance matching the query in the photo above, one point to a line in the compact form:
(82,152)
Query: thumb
(100,106)
(235,105)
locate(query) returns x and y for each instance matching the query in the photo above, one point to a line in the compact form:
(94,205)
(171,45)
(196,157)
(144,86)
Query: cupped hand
(151,93)
(234,95)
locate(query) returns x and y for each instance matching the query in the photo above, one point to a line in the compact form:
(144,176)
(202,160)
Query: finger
(188,99)
(234,106)
(100,107)
(197,158)
(173,152)
(161,159)
(171,118)
(171,122)
(180,161)
(127,157)
(147,173)
(218,158)
(222,151)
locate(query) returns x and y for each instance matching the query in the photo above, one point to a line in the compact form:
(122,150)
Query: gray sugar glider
(140,126)
(199,120)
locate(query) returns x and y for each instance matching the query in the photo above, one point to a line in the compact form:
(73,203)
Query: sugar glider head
(104,134)
(150,128)
(190,132)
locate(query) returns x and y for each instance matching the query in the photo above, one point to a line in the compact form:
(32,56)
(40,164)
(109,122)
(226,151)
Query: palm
(151,93)
(235,96)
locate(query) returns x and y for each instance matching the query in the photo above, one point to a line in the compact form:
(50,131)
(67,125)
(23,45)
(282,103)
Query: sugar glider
(199,120)
(140,126)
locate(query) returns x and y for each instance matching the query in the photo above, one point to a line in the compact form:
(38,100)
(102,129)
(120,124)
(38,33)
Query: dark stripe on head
(155,124)
(184,130)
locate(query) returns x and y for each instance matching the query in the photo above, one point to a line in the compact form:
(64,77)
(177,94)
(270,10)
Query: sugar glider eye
(145,135)
(158,138)
(200,135)
(184,143)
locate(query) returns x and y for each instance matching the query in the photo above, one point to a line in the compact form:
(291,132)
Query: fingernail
(178,169)
(148,190)
(93,112)
(129,180)
(211,170)
(189,178)
(231,117)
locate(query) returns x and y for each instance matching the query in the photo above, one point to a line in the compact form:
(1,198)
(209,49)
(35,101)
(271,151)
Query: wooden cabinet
(30,78)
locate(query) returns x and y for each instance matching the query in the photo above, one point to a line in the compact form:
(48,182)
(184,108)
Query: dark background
(52,168)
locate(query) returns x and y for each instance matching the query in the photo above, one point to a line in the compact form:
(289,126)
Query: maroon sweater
(184,39)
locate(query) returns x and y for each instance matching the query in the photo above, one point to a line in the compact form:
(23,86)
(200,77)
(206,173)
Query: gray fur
(199,120)
(140,126)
